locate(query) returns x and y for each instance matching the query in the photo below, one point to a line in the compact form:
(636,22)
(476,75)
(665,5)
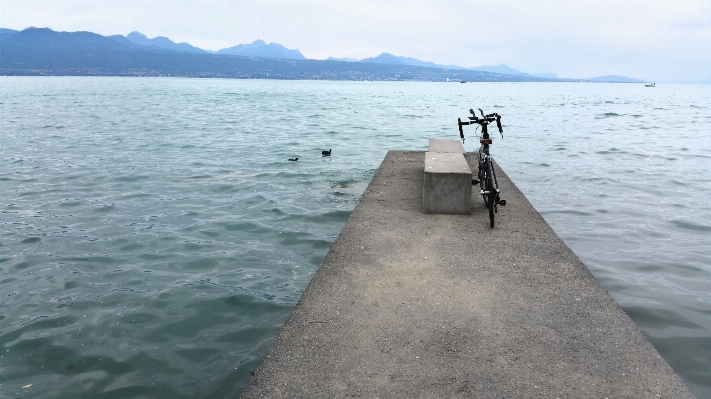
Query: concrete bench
(447,186)
(442,145)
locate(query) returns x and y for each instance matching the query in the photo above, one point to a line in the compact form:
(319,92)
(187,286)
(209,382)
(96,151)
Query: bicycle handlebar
(483,122)
(460,123)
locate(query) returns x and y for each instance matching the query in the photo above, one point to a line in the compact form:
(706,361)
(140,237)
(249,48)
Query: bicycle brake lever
(482,113)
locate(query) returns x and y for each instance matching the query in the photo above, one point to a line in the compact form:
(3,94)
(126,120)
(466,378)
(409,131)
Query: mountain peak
(162,42)
(33,29)
(135,35)
(384,58)
(259,48)
(387,58)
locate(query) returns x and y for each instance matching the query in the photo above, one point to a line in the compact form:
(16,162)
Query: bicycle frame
(484,160)
(489,186)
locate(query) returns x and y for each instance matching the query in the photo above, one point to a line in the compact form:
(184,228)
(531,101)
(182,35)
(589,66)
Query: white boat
(650,85)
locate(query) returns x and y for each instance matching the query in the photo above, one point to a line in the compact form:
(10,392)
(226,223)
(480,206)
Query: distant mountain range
(42,51)
(616,79)
(160,41)
(341,59)
(256,49)
(259,48)
(387,58)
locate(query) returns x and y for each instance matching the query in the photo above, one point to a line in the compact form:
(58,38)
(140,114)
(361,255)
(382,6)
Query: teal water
(154,237)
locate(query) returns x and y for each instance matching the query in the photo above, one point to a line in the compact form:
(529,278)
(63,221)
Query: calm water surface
(154,237)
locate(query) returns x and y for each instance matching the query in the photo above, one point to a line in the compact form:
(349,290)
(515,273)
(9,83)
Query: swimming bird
(294,159)
(326,153)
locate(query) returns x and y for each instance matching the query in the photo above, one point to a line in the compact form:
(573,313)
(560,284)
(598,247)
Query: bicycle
(489,186)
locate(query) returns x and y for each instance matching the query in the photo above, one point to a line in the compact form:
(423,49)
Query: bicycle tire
(491,201)
(492,204)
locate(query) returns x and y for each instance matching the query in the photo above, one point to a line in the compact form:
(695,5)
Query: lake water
(154,237)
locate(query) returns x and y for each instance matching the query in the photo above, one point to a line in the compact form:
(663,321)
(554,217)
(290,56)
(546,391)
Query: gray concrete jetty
(415,305)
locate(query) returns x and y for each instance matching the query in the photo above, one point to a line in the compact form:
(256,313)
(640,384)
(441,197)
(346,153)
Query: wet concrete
(414,305)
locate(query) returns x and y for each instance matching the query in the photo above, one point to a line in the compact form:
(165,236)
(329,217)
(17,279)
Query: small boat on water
(650,85)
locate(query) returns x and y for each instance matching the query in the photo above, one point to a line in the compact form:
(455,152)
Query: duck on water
(326,153)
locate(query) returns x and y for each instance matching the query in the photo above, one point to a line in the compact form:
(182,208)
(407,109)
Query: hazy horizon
(655,40)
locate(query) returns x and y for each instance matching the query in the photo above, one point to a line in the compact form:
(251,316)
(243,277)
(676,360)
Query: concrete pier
(415,305)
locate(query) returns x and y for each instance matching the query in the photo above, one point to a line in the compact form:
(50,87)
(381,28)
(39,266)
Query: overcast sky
(651,40)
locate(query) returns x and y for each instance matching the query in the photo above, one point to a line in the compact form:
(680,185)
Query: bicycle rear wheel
(491,200)
(492,204)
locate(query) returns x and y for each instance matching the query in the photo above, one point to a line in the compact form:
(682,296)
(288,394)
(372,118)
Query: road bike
(489,186)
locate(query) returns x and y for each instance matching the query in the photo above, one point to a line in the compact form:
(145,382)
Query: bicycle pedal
(502,202)
(475,182)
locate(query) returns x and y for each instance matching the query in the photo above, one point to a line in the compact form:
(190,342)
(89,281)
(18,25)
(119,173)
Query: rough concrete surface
(446,145)
(413,305)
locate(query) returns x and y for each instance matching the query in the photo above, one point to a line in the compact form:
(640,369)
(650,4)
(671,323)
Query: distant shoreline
(217,76)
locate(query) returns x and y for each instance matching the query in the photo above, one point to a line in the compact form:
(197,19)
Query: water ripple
(154,236)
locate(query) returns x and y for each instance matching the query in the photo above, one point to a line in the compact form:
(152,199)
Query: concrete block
(442,145)
(447,186)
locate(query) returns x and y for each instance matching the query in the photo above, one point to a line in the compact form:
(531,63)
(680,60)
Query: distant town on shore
(44,52)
